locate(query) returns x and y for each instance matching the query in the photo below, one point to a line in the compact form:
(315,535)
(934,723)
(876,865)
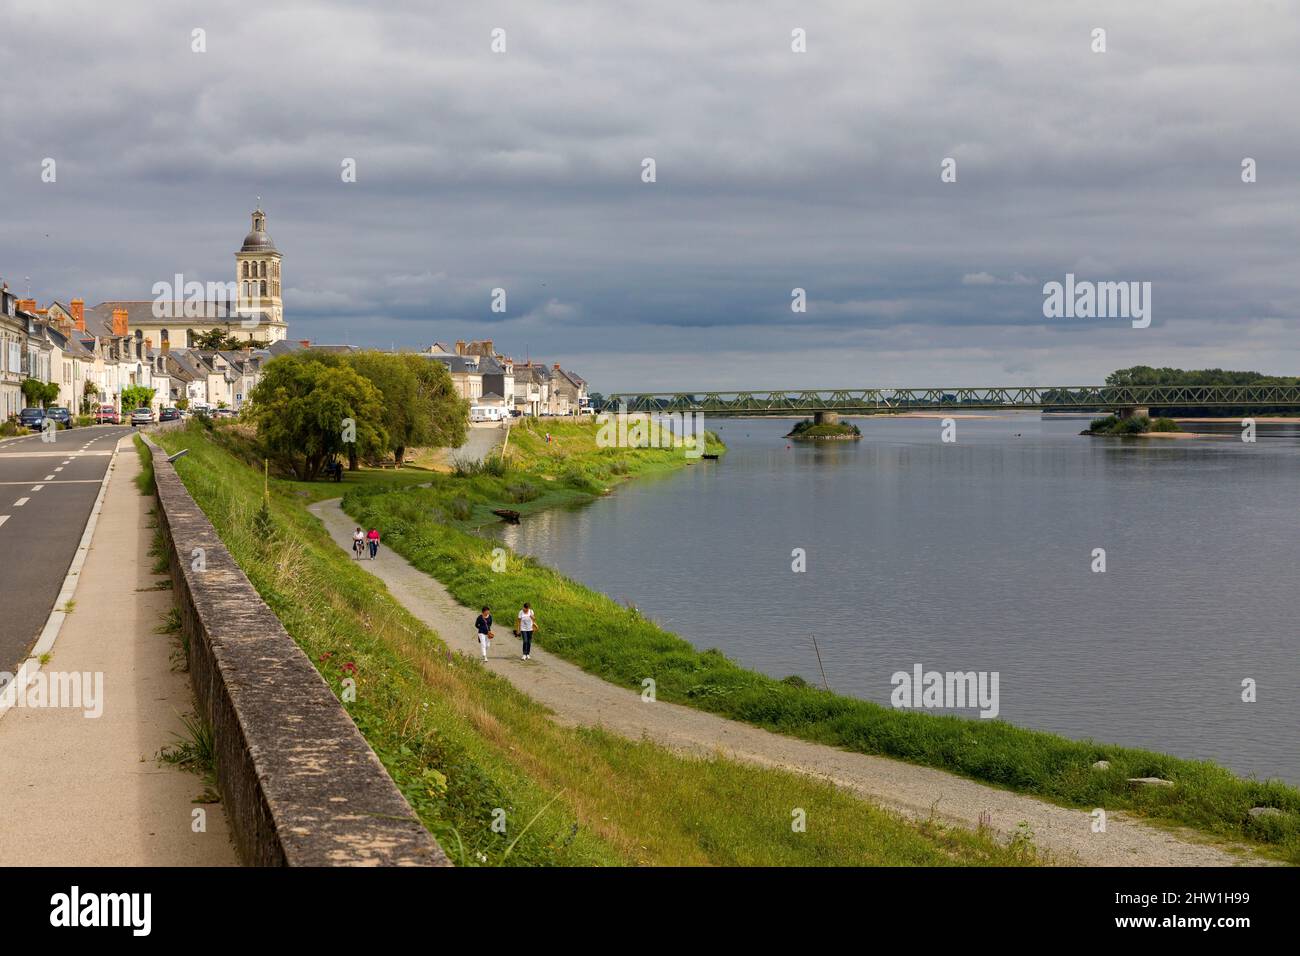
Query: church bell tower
(257,273)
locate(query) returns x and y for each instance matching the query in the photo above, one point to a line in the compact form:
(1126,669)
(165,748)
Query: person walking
(373,538)
(358,543)
(527,624)
(483,628)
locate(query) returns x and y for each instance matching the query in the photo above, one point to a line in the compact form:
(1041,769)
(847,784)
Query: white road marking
(3,518)
(60,468)
(49,477)
(20,502)
(61,481)
(37,487)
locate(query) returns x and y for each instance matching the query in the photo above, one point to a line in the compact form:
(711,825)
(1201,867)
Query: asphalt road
(46,493)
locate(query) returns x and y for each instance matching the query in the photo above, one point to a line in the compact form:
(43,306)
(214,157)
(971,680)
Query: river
(978,555)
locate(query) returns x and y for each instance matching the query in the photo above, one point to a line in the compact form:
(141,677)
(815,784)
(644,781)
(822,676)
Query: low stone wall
(300,784)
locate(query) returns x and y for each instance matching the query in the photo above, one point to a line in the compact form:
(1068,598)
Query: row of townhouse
(57,344)
(485,378)
(93,355)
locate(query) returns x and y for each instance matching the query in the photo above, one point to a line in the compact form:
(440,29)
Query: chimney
(27,305)
(556,366)
(119,322)
(166,347)
(487,347)
(460,343)
(79,314)
(305,343)
(148,342)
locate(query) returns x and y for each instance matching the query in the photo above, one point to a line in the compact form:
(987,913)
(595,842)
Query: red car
(107,415)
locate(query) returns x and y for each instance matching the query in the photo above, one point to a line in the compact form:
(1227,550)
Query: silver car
(142,416)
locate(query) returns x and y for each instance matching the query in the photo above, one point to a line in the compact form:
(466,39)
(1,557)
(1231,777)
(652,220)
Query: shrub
(522,491)
(1165,425)
(460,508)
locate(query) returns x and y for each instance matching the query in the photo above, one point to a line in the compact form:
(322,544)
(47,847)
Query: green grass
(144,480)
(462,743)
(619,645)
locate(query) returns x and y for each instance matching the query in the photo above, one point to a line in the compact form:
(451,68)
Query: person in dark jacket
(483,628)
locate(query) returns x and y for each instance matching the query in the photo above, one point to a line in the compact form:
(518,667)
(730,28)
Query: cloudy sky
(775,170)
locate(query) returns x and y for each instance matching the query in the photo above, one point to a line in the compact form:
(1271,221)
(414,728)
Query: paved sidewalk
(579,698)
(79,791)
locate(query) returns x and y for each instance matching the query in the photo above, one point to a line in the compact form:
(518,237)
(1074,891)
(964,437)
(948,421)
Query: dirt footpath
(579,698)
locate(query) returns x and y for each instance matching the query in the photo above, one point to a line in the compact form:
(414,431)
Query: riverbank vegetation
(461,742)
(1139,375)
(618,644)
(1133,425)
(808,430)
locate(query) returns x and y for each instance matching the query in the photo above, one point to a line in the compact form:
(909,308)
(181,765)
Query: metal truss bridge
(1126,399)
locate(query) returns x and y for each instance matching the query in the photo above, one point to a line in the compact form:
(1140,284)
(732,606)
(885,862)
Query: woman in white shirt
(527,624)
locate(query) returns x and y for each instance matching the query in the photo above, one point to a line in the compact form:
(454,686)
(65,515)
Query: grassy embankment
(462,742)
(429,527)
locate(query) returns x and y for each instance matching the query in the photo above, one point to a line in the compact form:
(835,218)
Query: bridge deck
(874,400)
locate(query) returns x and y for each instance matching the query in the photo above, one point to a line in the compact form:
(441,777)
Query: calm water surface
(977,556)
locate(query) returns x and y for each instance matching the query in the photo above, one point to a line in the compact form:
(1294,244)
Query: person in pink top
(373,538)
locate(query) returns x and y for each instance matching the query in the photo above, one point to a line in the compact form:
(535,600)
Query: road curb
(54,623)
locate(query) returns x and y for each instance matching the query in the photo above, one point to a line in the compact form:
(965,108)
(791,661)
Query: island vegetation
(808,430)
(1133,425)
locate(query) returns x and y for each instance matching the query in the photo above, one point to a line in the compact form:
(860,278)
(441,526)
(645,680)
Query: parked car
(169,415)
(142,416)
(60,415)
(33,418)
(106,415)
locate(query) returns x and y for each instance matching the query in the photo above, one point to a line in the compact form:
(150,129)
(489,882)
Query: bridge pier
(826,418)
(1135,411)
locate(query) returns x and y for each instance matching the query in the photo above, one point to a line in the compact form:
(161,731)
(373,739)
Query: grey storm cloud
(775,170)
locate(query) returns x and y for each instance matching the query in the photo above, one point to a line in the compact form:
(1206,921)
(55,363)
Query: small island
(834,430)
(1132,425)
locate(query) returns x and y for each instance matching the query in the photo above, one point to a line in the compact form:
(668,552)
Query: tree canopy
(137,396)
(1146,375)
(219,339)
(308,410)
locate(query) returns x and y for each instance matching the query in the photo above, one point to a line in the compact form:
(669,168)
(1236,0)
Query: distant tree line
(312,408)
(1146,375)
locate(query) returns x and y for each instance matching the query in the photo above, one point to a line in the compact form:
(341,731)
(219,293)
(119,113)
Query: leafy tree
(182,403)
(137,396)
(399,391)
(446,415)
(216,339)
(301,407)
(421,406)
(89,396)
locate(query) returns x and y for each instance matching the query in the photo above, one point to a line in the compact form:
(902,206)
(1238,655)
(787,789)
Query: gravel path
(579,698)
